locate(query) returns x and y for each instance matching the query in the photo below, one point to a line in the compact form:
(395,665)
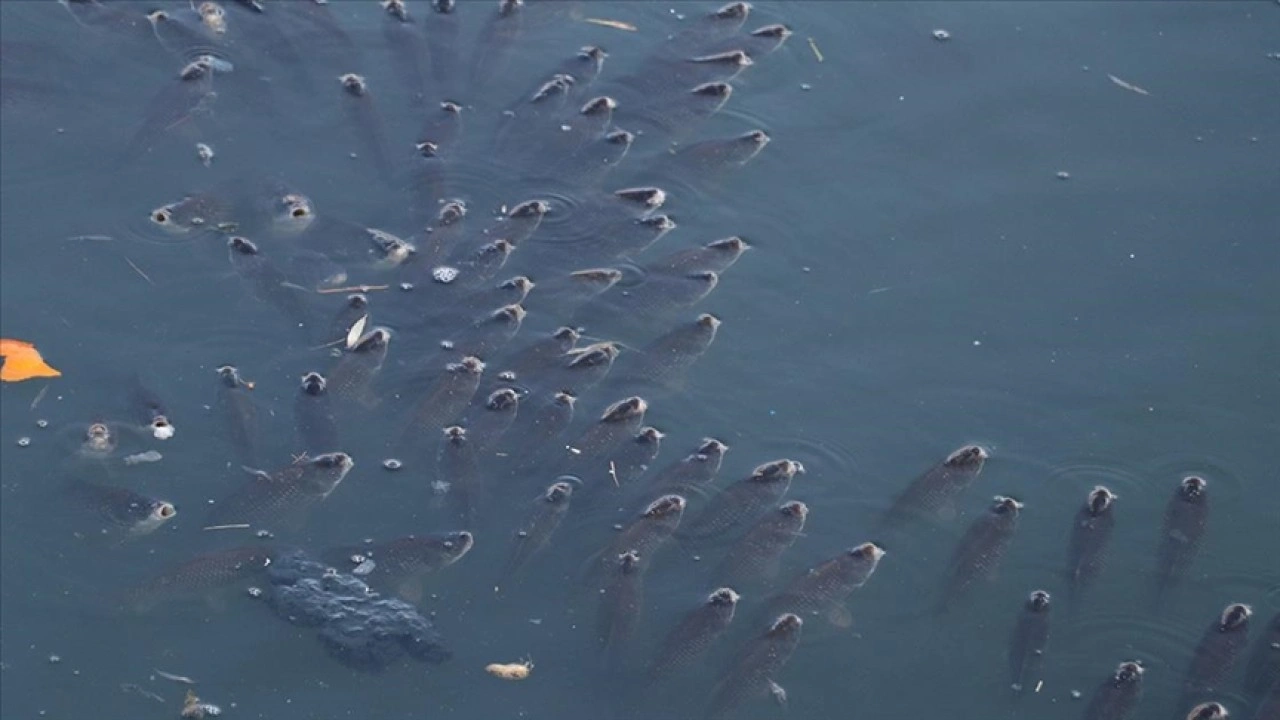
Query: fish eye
(160,216)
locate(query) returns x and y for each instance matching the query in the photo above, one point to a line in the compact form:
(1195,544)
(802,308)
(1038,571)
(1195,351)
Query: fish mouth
(164,511)
(666,505)
(869,550)
(787,621)
(459,544)
(723,596)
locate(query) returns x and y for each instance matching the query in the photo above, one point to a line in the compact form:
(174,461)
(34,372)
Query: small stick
(813,45)
(235,526)
(138,270)
(39,396)
(613,473)
(353,288)
(615,24)
(176,678)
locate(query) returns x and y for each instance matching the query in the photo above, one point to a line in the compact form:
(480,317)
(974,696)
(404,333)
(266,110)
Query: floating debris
(24,441)
(254,592)
(510,671)
(392,464)
(175,678)
(139,690)
(149,456)
(357,329)
(813,45)
(42,424)
(23,362)
(351,289)
(1063,175)
(941,35)
(192,707)
(615,24)
(205,154)
(1128,85)
(234,526)
(444,274)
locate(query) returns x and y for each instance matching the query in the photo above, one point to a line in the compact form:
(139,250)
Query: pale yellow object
(510,671)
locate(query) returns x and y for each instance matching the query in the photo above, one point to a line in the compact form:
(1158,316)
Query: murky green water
(983,240)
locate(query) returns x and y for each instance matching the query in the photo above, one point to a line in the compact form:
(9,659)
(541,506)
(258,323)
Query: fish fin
(840,616)
(255,472)
(778,692)
(410,590)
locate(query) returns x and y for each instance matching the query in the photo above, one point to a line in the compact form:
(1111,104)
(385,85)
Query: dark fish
(579,369)
(666,360)
(477,266)
(267,282)
(492,420)
(1090,535)
(678,114)
(695,469)
(716,256)
(573,142)
(402,564)
(151,412)
(520,222)
(982,548)
(391,251)
(441,26)
(313,416)
(1263,672)
(721,154)
(607,225)
(529,122)
(753,672)
(564,294)
(407,47)
(1029,641)
(446,400)
(511,291)
(287,494)
(436,146)
(621,602)
(355,307)
(366,122)
(595,159)
(541,353)
(1118,696)
(1217,652)
(669,77)
(176,106)
(824,589)
(1208,711)
(659,296)
(460,472)
(746,499)
(239,413)
(758,43)
(757,555)
(584,67)
(590,454)
(443,236)
(121,509)
(202,575)
(1185,520)
(935,492)
(705,28)
(536,437)
(700,628)
(535,532)
(650,531)
(633,458)
(488,335)
(493,47)
(352,377)
(195,215)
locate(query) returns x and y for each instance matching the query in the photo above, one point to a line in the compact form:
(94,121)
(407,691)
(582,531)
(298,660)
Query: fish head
(649,198)
(775,30)
(969,457)
(712,448)
(777,471)
(566,397)
(599,279)
(444,7)
(353,84)
(99,439)
(708,322)
(1038,601)
(229,375)
(867,553)
(1208,711)
(1001,505)
(1128,673)
(455,435)
(723,597)
(502,400)
(396,9)
(566,334)
(598,106)
(1235,617)
(530,209)
(1192,488)
(152,515)
(794,508)
(602,353)
(324,472)
(375,341)
(733,58)
(161,428)
(732,11)
(666,506)
(719,91)
(732,245)
(241,246)
(450,547)
(469,365)
(757,138)
(520,283)
(313,383)
(629,561)
(558,493)
(1100,500)
(649,435)
(509,315)
(624,410)
(620,137)
(786,623)
(660,225)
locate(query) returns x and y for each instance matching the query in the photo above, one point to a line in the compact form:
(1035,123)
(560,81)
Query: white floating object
(149,456)
(444,274)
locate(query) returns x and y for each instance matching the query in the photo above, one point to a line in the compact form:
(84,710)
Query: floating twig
(39,396)
(813,45)
(613,473)
(1128,85)
(352,288)
(234,526)
(176,678)
(138,270)
(615,24)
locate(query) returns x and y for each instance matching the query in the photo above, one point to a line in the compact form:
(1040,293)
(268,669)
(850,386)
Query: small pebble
(255,592)
(24,441)
(392,464)
(941,35)
(42,423)
(1063,175)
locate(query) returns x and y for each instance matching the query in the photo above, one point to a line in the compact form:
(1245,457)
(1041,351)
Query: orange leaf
(22,362)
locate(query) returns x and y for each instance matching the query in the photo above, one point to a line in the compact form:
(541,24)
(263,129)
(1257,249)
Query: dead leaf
(357,329)
(23,362)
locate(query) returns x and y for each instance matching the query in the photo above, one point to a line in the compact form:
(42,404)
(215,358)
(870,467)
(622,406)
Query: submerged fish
(753,673)
(825,588)
(402,564)
(633,458)
(577,370)
(313,416)
(267,281)
(1263,671)
(1217,652)
(352,377)
(666,360)
(1208,711)
(535,532)
(1185,520)
(936,491)
(746,499)
(202,575)
(493,47)
(151,412)
(756,556)
(698,468)
(446,400)
(1090,536)
(239,413)
(1029,640)
(406,46)
(590,455)
(121,509)
(459,470)
(176,106)
(541,353)
(621,602)
(978,554)
(647,533)
(282,497)
(1118,696)
(716,256)
(488,335)
(366,122)
(490,422)
(536,437)
(689,639)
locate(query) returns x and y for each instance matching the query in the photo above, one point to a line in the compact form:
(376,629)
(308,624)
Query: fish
(476,266)
(443,236)
(1217,653)
(590,454)
(825,588)
(286,495)
(96,441)
(718,155)
(436,146)
(606,225)
(195,215)
(716,256)
(978,554)
(657,298)
(540,353)
(595,158)
(705,28)
(151,411)
(752,674)
(313,416)
(1119,695)
(122,510)
(746,499)
(1029,641)
(406,45)
(402,564)
(493,47)
(564,294)
(534,534)
(446,400)
(621,602)
(578,369)
(935,492)
(183,33)
(520,222)
(666,361)
(758,43)
(459,471)
(352,377)
(555,153)
(392,251)
(1185,521)
(670,76)
(1263,671)
(674,115)
(757,555)
(202,575)
(696,469)
(365,120)
(490,422)
(647,533)
(1090,536)
(511,291)
(536,437)
(267,282)
(633,458)
(176,106)
(239,413)
(488,335)
(1208,711)
(687,641)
